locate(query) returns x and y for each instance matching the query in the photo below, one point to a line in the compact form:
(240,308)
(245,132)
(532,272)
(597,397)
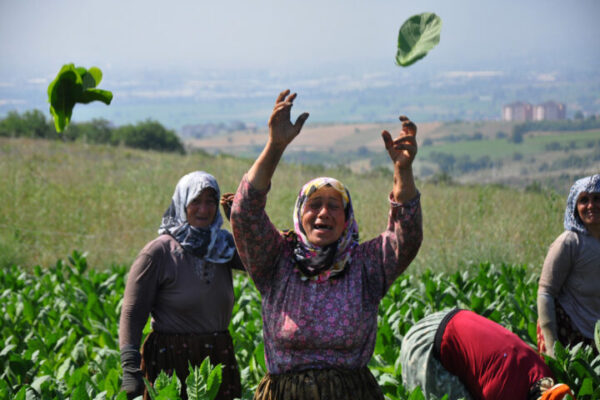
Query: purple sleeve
(389,254)
(258,242)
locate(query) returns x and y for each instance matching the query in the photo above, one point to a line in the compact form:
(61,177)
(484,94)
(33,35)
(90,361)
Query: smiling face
(324,216)
(588,208)
(202,210)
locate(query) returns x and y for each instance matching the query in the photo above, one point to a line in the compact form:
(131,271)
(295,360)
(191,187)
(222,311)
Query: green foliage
(58,330)
(203,383)
(418,35)
(146,135)
(579,367)
(74,85)
(597,335)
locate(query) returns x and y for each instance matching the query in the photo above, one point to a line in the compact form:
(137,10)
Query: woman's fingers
(300,121)
(408,126)
(282,96)
(387,139)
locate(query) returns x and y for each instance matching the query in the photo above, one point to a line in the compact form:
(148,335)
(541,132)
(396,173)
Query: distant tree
(517,136)
(31,124)
(501,135)
(97,131)
(477,136)
(578,116)
(427,142)
(148,135)
(362,151)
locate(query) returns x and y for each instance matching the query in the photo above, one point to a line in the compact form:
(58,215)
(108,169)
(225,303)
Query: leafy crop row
(58,328)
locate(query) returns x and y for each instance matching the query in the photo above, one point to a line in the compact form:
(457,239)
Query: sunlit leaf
(74,85)
(418,35)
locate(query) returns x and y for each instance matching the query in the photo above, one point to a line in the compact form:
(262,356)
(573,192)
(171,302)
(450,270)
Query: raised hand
(281,129)
(403,149)
(226,202)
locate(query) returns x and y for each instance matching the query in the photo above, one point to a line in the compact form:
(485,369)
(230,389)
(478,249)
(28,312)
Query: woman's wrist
(404,188)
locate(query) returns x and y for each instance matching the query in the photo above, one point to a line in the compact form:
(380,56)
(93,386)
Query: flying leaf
(74,85)
(419,34)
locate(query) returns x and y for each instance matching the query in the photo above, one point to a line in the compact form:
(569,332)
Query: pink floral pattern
(319,324)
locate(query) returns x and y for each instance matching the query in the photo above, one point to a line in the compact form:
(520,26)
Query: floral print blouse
(310,324)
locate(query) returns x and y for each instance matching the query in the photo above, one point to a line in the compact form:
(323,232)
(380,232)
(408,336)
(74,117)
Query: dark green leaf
(96,95)
(214,382)
(418,35)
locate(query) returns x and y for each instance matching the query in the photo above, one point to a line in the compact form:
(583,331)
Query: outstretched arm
(402,151)
(281,134)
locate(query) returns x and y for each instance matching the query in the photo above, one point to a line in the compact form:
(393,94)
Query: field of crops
(58,328)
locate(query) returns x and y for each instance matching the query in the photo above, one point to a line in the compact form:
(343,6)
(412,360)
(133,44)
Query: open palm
(281,129)
(403,149)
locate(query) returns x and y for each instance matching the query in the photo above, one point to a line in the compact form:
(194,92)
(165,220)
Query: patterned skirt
(320,384)
(172,352)
(568,335)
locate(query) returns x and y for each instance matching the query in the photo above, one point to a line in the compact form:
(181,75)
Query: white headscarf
(212,244)
(572,221)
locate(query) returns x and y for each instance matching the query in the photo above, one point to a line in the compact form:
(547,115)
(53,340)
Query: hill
(467,152)
(108,202)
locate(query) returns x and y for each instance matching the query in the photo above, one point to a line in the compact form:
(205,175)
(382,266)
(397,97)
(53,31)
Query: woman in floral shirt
(320,288)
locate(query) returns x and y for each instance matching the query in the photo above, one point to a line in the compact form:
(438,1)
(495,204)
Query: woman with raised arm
(320,288)
(569,287)
(183,279)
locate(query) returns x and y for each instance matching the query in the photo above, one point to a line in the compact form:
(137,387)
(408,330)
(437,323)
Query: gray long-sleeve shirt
(182,293)
(571,275)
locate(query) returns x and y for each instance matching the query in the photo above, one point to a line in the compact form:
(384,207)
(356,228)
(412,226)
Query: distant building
(518,111)
(549,110)
(521,111)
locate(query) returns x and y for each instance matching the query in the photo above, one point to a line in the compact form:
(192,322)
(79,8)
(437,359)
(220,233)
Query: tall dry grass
(57,197)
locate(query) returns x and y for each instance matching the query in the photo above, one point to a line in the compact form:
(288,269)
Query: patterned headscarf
(589,184)
(212,244)
(315,262)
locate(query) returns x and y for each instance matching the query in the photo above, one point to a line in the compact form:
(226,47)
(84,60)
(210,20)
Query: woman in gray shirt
(569,286)
(182,279)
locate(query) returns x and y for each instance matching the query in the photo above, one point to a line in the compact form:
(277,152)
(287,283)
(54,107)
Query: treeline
(578,124)
(146,135)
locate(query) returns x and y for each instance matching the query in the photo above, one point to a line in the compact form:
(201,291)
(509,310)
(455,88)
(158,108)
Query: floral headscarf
(315,262)
(212,244)
(589,184)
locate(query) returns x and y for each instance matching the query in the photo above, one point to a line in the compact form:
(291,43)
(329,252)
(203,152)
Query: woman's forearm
(262,170)
(404,188)
(547,319)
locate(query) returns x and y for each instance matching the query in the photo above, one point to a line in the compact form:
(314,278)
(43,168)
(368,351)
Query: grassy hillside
(57,197)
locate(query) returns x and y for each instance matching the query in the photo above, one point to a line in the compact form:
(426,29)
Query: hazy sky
(41,35)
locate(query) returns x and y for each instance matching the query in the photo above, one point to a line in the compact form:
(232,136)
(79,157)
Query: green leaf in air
(419,34)
(74,85)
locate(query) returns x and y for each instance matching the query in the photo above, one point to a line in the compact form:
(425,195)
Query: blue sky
(41,35)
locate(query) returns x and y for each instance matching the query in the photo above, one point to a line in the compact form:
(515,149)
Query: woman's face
(324,217)
(202,210)
(588,207)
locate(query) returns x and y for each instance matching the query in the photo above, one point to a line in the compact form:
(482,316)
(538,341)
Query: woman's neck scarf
(212,244)
(321,263)
(572,221)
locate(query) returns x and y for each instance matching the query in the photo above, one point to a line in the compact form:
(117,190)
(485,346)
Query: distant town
(521,111)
